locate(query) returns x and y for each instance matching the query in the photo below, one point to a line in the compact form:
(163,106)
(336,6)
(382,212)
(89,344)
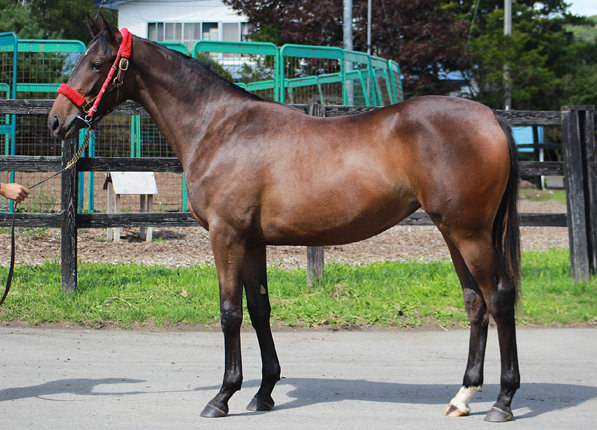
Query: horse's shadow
(534,398)
(77,386)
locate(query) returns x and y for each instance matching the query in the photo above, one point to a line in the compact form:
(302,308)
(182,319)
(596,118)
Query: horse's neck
(181,108)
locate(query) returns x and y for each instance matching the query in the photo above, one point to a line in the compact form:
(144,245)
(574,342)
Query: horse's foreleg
(255,280)
(499,295)
(478,318)
(229,256)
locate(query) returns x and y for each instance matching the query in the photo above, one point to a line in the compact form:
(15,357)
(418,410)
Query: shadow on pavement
(537,398)
(78,386)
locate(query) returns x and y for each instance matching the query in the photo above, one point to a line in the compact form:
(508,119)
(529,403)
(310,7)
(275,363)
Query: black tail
(506,228)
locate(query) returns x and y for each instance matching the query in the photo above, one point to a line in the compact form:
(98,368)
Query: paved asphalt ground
(99,379)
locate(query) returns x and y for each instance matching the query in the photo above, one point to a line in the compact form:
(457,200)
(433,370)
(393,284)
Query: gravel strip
(189,246)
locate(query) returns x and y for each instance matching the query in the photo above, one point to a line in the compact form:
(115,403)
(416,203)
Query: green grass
(534,194)
(380,294)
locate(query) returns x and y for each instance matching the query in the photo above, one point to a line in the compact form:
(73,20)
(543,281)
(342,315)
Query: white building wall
(135,15)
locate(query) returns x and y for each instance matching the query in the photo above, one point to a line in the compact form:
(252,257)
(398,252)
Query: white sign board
(134,182)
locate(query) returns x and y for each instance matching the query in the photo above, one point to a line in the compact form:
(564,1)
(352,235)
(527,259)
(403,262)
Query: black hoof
(212,411)
(497,415)
(261,404)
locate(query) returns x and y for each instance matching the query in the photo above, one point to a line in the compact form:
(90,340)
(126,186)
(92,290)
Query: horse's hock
(142,184)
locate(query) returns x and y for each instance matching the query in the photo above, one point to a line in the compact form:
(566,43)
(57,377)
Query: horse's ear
(94,26)
(109,28)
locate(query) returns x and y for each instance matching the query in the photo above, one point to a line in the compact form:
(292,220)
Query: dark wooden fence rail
(578,168)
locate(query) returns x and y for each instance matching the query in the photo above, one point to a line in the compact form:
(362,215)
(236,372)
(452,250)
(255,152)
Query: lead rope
(68,166)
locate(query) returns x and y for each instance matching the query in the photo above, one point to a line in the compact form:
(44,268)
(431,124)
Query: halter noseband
(121,63)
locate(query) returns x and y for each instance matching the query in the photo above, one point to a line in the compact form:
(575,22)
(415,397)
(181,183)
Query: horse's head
(82,101)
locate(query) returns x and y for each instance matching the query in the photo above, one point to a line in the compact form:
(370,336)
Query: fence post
(580,185)
(315,257)
(587,139)
(68,205)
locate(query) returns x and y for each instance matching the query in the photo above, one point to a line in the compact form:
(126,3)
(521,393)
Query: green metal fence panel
(381,75)
(176,46)
(47,45)
(41,66)
(298,63)
(252,65)
(396,81)
(8,71)
(364,89)
(8,88)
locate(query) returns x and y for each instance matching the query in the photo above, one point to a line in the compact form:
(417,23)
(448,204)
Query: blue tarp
(524,136)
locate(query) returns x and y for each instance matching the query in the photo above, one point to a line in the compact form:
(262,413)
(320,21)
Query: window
(173,32)
(231,32)
(209,31)
(155,31)
(190,32)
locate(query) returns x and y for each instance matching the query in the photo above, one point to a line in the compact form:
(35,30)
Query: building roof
(182,10)
(109,4)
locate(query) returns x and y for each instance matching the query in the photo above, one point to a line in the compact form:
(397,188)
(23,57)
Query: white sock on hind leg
(462,399)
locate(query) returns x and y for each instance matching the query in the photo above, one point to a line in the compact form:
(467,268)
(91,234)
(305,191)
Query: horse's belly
(337,221)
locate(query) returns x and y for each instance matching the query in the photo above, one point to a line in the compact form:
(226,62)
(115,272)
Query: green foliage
(49,19)
(268,33)
(586,32)
(18,19)
(547,66)
(214,66)
(65,19)
(530,63)
(581,85)
(380,295)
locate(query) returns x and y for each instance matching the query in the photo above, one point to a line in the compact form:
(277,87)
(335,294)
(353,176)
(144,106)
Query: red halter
(121,63)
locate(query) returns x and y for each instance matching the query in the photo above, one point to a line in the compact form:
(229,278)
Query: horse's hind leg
(478,318)
(255,281)
(499,295)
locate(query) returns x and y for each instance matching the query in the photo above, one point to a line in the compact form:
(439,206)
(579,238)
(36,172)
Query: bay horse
(261,173)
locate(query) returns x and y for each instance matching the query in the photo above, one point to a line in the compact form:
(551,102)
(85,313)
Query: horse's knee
(231,318)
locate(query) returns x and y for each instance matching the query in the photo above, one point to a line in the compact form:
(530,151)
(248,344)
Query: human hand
(15,192)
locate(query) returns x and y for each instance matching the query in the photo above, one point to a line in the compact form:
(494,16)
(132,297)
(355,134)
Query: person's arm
(15,192)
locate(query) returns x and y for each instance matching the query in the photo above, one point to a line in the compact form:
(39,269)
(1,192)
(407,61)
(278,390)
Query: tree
(539,54)
(49,19)
(424,37)
(65,19)
(16,18)
(431,38)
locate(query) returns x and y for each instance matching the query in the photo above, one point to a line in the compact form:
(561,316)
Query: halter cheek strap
(121,63)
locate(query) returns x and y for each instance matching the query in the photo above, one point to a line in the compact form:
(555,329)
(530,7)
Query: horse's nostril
(55,123)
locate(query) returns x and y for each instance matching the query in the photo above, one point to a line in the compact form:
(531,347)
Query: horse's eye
(96,65)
